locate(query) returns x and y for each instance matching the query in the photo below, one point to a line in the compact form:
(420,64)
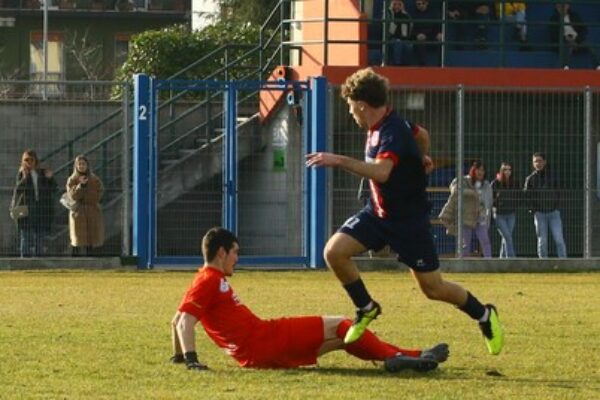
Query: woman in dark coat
(506,197)
(35,188)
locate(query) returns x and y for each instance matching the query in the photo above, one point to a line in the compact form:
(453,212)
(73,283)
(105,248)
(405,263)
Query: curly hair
(368,86)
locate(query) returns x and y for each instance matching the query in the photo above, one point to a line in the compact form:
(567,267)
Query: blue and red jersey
(404,193)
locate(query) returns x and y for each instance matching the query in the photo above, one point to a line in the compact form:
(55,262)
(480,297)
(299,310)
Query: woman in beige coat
(86,224)
(477,209)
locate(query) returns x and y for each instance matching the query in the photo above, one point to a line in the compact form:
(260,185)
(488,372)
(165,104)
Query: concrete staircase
(177,176)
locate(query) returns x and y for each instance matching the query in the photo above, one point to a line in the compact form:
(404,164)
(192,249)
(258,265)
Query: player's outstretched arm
(187,341)
(379,170)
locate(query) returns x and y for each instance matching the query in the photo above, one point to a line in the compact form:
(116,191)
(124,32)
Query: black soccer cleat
(439,352)
(401,362)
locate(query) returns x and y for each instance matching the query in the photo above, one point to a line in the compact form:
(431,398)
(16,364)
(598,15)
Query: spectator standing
(400,33)
(463,12)
(477,203)
(506,196)
(425,29)
(35,188)
(86,223)
(514,12)
(573,32)
(543,195)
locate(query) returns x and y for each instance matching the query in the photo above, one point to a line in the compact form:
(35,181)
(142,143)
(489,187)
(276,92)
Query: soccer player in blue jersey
(397,213)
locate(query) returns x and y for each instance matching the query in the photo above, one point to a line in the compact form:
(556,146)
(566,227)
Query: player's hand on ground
(177,359)
(198,366)
(192,363)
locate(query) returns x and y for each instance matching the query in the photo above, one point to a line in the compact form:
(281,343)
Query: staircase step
(168,162)
(186,152)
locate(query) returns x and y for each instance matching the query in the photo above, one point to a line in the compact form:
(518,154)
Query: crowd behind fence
(494,126)
(466,123)
(467,33)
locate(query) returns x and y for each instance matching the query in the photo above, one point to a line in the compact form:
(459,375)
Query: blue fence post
(230,159)
(318,176)
(141,169)
(153,176)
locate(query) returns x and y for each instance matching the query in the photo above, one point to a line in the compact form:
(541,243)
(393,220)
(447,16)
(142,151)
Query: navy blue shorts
(410,238)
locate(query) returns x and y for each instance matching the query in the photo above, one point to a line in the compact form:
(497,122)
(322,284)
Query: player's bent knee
(334,257)
(342,328)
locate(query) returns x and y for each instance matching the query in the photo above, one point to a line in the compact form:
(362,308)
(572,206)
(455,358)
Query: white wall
(203,13)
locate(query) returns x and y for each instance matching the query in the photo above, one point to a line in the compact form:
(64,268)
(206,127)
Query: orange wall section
(490,77)
(340,54)
(270,99)
(442,77)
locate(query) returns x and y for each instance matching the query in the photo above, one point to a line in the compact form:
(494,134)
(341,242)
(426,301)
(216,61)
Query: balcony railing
(99,5)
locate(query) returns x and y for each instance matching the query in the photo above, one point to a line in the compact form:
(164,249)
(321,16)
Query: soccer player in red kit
(275,343)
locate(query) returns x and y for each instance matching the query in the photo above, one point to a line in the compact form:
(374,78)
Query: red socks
(369,347)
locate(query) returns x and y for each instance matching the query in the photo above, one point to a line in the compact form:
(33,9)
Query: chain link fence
(60,120)
(494,125)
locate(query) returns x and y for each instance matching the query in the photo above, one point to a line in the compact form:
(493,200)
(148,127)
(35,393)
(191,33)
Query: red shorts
(285,343)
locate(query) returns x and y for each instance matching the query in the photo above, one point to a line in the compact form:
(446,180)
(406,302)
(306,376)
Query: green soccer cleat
(492,331)
(360,323)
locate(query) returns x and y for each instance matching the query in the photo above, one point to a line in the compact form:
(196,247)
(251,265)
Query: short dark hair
(216,238)
(539,154)
(368,86)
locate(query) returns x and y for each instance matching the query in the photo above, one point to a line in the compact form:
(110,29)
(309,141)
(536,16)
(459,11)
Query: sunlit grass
(89,334)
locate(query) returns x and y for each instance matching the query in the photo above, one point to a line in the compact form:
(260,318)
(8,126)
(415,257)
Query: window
(56,66)
(121,48)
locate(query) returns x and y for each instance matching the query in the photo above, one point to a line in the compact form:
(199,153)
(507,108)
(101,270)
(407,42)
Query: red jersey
(214,303)
(253,342)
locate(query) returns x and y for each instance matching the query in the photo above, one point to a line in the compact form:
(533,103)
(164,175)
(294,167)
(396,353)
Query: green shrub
(163,53)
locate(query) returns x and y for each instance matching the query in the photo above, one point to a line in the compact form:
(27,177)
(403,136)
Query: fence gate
(204,157)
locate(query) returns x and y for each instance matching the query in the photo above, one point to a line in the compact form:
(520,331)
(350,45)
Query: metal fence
(490,124)
(60,120)
(494,125)
(214,162)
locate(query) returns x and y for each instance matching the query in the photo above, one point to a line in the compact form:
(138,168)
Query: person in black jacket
(574,34)
(464,12)
(506,196)
(543,195)
(35,188)
(428,30)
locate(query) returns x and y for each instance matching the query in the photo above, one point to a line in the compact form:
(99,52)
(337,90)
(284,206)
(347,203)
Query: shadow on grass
(375,371)
(447,374)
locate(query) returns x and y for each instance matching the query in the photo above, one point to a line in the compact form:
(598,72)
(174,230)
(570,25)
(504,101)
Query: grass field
(89,334)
